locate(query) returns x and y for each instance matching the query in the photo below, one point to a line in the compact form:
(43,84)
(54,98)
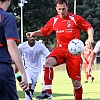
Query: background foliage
(37,12)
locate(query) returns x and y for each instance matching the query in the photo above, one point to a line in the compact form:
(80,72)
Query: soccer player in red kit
(86,58)
(67,27)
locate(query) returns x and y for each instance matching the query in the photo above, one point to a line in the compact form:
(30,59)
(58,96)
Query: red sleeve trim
(1,45)
(17,40)
(89,27)
(2,8)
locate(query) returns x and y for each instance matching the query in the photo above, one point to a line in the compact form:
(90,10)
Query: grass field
(63,90)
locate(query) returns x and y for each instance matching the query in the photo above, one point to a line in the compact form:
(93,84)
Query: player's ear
(9,2)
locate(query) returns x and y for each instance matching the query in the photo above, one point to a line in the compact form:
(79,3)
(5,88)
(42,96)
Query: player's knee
(51,61)
(47,63)
(76,83)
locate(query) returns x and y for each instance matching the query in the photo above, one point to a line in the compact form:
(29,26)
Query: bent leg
(49,74)
(48,77)
(56,57)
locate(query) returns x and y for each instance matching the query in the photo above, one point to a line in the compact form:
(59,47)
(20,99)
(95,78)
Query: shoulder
(38,43)
(76,16)
(6,16)
(9,16)
(98,43)
(22,44)
(53,18)
(97,47)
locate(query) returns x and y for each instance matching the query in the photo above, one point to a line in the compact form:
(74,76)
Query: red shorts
(73,63)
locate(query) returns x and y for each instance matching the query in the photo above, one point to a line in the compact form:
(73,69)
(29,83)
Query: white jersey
(31,56)
(97,47)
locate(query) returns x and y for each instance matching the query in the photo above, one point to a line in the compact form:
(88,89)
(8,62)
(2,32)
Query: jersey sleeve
(20,48)
(10,27)
(97,47)
(45,51)
(82,23)
(48,28)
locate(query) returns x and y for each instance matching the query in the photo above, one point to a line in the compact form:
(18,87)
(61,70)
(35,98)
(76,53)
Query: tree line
(37,12)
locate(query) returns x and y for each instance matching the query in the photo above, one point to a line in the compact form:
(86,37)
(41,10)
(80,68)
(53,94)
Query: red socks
(78,92)
(48,77)
(87,76)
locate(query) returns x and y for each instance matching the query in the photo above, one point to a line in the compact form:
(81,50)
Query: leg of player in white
(41,75)
(32,80)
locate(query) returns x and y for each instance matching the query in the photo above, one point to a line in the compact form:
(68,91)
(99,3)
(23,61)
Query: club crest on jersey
(68,24)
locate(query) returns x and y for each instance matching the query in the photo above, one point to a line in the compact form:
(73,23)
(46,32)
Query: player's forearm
(92,57)
(38,33)
(15,54)
(90,34)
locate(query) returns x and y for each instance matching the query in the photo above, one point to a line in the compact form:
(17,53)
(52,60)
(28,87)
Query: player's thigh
(28,75)
(56,57)
(85,65)
(7,83)
(34,79)
(73,66)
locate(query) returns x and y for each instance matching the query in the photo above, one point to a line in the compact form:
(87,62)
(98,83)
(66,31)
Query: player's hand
(89,69)
(24,84)
(30,34)
(90,41)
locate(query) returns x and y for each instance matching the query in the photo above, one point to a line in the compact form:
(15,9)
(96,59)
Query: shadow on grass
(21,95)
(82,99)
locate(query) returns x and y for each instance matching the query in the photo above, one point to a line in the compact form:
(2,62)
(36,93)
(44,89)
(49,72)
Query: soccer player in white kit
(93,55)
(31,52)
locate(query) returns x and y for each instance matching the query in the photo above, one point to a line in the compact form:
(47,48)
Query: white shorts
(32,77)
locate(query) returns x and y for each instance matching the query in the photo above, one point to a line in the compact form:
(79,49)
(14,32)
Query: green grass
(63,90)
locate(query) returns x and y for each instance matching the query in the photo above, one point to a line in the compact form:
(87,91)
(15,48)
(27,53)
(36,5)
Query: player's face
(62,10)
(31,39)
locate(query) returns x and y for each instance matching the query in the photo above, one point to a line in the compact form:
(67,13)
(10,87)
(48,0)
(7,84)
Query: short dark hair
(2,0)
(61,2)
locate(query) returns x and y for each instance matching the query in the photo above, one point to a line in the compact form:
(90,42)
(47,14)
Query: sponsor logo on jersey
(64,31)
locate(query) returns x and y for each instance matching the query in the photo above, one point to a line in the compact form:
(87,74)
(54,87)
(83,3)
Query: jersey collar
(1,8)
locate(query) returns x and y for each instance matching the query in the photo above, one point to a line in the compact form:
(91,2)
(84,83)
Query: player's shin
(48,77)
(78,92)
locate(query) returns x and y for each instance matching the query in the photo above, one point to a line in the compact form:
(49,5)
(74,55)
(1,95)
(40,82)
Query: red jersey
(66,28)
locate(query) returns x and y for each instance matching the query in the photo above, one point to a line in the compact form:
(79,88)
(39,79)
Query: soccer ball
(75,46)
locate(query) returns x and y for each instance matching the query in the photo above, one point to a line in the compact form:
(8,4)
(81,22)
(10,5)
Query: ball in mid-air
(76,47)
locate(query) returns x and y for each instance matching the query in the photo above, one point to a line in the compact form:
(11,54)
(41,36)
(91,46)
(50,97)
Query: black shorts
(7,83)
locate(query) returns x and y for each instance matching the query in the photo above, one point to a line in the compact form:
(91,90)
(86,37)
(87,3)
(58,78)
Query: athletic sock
(78,92)
(87,76)
(48,77)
